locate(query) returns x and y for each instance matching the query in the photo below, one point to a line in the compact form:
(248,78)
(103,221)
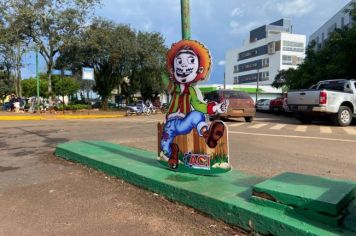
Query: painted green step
(350,219)
(334,221)
(308,192)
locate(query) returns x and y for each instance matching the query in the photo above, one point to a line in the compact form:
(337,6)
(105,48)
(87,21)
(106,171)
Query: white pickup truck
(335,98)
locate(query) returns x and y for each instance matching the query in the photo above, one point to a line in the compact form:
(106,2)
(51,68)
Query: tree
(65,86)
(120,57)
(108,48)
(335,60)
(29,87)
(61,86)
(6,84)
(49,24)
(13,46)
(149,66)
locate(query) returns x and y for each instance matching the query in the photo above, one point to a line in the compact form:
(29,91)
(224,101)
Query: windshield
(236,94)
(337,86)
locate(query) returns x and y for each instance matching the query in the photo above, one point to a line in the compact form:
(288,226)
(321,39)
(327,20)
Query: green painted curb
(309,192)
(227,197)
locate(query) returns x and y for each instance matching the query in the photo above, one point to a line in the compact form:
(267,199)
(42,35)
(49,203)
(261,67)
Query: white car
(264,106)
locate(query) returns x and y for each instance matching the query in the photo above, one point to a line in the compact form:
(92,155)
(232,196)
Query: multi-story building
(341,19)
(268,49)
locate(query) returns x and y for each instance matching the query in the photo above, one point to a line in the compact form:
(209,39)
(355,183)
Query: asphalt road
(41,194)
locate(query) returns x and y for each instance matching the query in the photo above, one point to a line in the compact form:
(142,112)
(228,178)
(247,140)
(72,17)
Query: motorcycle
(151,108)
(138,109)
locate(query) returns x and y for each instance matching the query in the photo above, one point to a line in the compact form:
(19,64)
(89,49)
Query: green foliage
(49,24)
(335,60)
(120,57)
(29,87)
(149,65)
(61,86)
(106,47)
(6,85)
(74,107)
(65,86)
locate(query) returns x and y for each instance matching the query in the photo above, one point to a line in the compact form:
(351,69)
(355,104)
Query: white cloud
(221,63)
(147,26)
(290,7)
(236,12)
(241,28)
(203,8)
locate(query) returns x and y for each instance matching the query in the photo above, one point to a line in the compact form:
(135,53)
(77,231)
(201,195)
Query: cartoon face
(186,66)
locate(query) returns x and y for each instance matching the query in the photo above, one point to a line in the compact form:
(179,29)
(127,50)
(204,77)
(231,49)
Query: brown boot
(215,132)
(173,160)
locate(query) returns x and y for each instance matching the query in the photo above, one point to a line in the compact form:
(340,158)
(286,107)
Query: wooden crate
(192,142)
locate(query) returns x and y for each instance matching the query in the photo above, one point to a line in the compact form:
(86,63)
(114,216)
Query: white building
(268,49)
(339,20)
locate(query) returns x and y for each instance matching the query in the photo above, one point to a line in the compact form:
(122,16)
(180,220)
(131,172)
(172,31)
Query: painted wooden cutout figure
(189,62)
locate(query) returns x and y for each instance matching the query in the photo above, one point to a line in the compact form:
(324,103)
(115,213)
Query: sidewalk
(93,114)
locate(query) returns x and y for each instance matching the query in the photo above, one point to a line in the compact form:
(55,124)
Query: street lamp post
(258,83)
(185,15)
(37,81)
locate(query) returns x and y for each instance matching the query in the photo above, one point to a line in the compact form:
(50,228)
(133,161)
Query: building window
(265,62)
(271,47)
(291,60)
(248,66)
(332,28)
(322,37)
(247,79)
(342,22)
(247,54)
(236,80)
(236,69)
(293,46)
(267,74)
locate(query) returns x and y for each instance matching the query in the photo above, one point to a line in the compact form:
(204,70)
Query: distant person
(16,105)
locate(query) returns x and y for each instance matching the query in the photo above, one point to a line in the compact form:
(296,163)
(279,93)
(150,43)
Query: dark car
(240,104)
(111,105)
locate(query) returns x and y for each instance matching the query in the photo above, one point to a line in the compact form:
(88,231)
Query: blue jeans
(180,126)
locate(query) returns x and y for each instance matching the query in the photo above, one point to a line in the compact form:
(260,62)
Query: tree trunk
(49,76)
(18,72)
(104,103)
(18,82)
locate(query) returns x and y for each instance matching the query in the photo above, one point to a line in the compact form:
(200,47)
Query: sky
(220,25)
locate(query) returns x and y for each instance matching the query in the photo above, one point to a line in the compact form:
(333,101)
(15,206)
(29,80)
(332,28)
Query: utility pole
(258,83)
(185,15)
(224,80)
(37,80)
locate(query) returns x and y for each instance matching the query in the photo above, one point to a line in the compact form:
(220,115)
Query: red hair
(199,49)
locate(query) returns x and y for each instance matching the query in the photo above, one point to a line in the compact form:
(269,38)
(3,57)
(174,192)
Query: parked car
(259,101)
(333,98)
(111,105)
(240,104)
(264,105)
(279,105)
(276,105)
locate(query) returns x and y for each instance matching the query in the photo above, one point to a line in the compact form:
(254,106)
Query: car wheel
(249,119)
(344,116)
